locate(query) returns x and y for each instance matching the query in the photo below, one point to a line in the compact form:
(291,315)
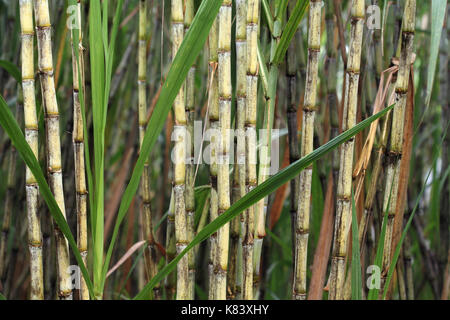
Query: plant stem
(31,136)
(343,207)
(239,191)
(150,254)
(53,142)
(213,111)
(190,168)
(78,145)
(398,115)
(180,132)
(309,112)
(253,9)
(223,175)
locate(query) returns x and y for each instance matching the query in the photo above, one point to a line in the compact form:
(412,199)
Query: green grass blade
(356,258)
(264,189)
(438,10)
(289,31)
(268,14)
(12,69)
(280,8)
(2,297)
(96,42)
(190,48)
(10,125)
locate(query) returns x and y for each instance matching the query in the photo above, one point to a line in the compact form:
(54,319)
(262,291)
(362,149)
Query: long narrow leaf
(12,69)
(438,9)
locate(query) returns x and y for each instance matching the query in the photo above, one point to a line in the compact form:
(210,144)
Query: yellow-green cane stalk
(150,253)
(213,112)
(190,168)
(253,9)
(31,136)
(180,132)
(78,145)
(224,145)
(343,203)
(53,143)
(239,187)
(310,106)
(398,119)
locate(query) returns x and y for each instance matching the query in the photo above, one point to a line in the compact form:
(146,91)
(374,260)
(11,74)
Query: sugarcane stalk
(31,136)
(54,168)
(343,210)
(190,168)
(180,132)
(213,112)
(265,149)
(239,190)
(253,9)
(310,106)
(396,141)
(150,253)
(223,154)
(78,146)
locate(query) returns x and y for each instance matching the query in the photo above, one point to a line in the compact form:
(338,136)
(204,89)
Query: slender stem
(253,9)
(78,146)
(213,111)
(150,254)
(31,135)
(398,115)
(235,265)
(265,149)
(53,142)
(190,168)
(223,174)
(309,112)
(181,230)
(343,207)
